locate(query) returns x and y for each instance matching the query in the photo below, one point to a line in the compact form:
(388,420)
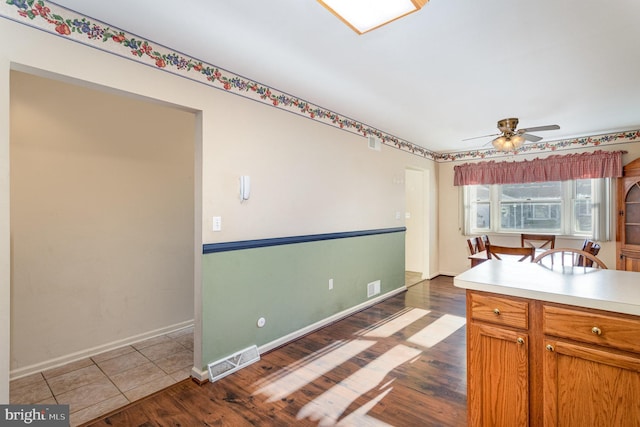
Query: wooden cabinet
(589,387)
(498,361)
(499,390)
(587,380)
(533,363)
(628,233)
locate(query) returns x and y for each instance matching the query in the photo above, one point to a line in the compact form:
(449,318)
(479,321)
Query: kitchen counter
(611,290)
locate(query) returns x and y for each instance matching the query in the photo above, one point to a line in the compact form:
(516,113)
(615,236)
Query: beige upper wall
(453,243)
(415,252)
(306,177)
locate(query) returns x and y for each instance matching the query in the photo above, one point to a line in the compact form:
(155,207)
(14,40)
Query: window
(571,208)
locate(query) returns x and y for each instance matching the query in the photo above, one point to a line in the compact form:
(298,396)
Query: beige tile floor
(99,384)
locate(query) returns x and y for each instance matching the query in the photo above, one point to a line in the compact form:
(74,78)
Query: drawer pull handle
(496,311)
(520,340)
(549,347)
(596,330)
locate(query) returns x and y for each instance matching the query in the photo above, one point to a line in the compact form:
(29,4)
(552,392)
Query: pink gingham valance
(597,164)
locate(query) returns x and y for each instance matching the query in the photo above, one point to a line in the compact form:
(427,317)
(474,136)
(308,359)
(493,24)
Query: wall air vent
(374,143)
(228,365)
(373,288)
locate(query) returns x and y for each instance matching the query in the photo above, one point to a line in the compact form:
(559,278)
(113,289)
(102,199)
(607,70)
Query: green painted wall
(288,285)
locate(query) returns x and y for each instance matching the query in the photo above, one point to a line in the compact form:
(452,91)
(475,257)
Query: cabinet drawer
(595,328)
(499,310)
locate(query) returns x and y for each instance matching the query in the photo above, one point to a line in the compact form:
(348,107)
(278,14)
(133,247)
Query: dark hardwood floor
(399,363)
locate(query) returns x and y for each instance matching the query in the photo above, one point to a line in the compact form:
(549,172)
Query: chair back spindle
(544,241)
(502,252)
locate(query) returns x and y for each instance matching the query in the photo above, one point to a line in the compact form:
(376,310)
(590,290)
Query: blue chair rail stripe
(262,243)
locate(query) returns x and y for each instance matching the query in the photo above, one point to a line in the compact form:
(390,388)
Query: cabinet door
(588,386)
(629,261)
(498,377)
(632,214)
(628,246)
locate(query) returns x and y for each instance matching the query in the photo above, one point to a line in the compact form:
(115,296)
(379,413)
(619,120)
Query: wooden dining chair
(473,245)
(587,245)
(544,241)
(477,244)
(509,252)
(591,247)
(569,257)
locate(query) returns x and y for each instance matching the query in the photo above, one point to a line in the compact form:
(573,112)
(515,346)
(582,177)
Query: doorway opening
(416,247)
(103,229)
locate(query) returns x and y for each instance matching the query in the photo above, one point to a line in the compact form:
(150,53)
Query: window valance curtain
(597,164)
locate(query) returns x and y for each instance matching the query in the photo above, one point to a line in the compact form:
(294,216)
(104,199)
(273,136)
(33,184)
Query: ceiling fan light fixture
(365,15)
(508,142)
(517,141)
(499,142)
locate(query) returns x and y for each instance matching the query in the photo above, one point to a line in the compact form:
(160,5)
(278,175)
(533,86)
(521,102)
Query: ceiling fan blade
(532,138)
(486,144)
(478,137)
(539,128)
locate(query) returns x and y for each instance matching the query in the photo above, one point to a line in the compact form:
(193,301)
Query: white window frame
(600,202)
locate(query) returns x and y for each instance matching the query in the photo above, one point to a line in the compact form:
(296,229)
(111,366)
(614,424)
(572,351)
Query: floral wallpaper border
(565,144)
(66,23)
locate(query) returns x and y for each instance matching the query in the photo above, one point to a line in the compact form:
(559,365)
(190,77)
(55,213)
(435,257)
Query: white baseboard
(447,274)
(200,376)
(83,354)
(203,376)
(324,322)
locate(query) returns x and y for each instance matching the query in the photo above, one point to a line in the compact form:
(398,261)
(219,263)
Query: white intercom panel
(245,187)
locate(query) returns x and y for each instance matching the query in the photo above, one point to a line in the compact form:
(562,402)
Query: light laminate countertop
(611,290)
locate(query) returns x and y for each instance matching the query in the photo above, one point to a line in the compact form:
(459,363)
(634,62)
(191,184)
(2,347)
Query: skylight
(366,15)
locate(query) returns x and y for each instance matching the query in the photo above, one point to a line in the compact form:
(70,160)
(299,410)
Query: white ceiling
(433,78)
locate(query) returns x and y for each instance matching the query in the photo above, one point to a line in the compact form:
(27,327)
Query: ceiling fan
(511,138)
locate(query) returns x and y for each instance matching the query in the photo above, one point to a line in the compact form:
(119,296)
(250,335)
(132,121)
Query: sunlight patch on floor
(390,327)
(360,418)
(437,331)
(327,408)
(298,377)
